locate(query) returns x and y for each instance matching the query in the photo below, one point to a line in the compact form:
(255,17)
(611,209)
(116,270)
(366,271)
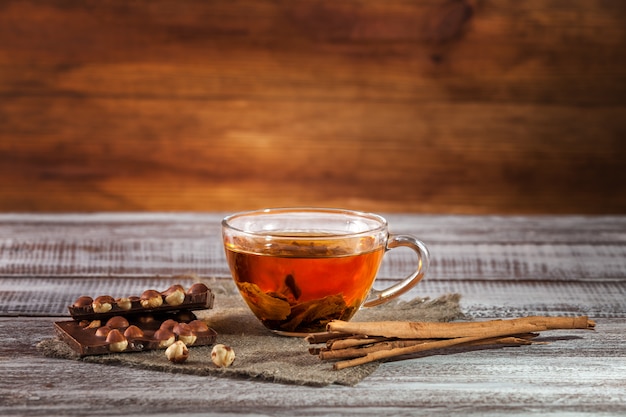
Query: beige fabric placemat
(261,354)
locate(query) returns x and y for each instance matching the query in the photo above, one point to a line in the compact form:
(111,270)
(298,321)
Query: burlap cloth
(261,354)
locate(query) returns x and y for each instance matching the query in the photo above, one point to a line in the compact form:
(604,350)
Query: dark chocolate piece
(84,339)
(198,297)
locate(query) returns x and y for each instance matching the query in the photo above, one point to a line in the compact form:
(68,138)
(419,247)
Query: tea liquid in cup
(297,269)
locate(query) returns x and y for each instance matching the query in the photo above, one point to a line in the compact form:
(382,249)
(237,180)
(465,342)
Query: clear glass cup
(299,268)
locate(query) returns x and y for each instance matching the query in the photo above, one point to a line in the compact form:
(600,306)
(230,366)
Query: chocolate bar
(154,320)
(175,298)
(134,334)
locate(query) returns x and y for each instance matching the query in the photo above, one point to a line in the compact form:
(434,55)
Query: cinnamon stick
(386,354)
(323,337)
(434,330)
(355,352)
(495,328)
(370,341)
(362,351)
(353,342)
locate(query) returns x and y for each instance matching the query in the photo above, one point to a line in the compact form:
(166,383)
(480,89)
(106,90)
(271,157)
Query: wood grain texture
(582,373)
(565,264)
(433,106)
(504,266)
(505,248)
(40,296)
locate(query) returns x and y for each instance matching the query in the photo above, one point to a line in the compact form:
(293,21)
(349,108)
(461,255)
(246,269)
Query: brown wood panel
(444,106)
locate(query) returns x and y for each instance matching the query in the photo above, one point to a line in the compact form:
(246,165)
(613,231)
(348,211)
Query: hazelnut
(83,301)
(181,328)
(168,324)
(222,355)
(103,304)
(177,352)
(151,299)
(117,322)
(185,334)
(198,326)
(146,319)
(117,341)
(174,295)
(164,337)
(94,324)
(133,332)
(197,288)
(103,331)
(124,303)
(185,316)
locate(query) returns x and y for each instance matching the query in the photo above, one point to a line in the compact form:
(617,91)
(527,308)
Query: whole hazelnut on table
(103,304)
(222,355)
(151,299)
(174,295)
(177,352)
(117,341)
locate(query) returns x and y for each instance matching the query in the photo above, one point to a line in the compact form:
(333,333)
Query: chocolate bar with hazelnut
(134,333)
(175,298)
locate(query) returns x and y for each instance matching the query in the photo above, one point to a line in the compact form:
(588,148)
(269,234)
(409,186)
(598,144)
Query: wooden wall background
(433,106)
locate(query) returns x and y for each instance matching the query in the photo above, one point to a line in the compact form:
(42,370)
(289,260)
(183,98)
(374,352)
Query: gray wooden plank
(502,266)
(578,373)
(455,228)
(37,296)
(555,248)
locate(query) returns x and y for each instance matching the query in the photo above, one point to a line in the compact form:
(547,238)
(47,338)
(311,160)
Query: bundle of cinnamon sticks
(357,343)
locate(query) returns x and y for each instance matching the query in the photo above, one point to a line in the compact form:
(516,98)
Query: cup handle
(377,297)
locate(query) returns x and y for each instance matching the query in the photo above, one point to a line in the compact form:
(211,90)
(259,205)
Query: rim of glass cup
(382,222)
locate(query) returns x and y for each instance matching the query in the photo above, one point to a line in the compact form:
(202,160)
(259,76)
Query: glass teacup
(299,268)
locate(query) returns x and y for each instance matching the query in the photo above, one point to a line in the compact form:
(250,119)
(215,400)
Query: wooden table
(504,267)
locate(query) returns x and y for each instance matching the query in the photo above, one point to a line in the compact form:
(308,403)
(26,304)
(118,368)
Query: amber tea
(298,269)
(301,286)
